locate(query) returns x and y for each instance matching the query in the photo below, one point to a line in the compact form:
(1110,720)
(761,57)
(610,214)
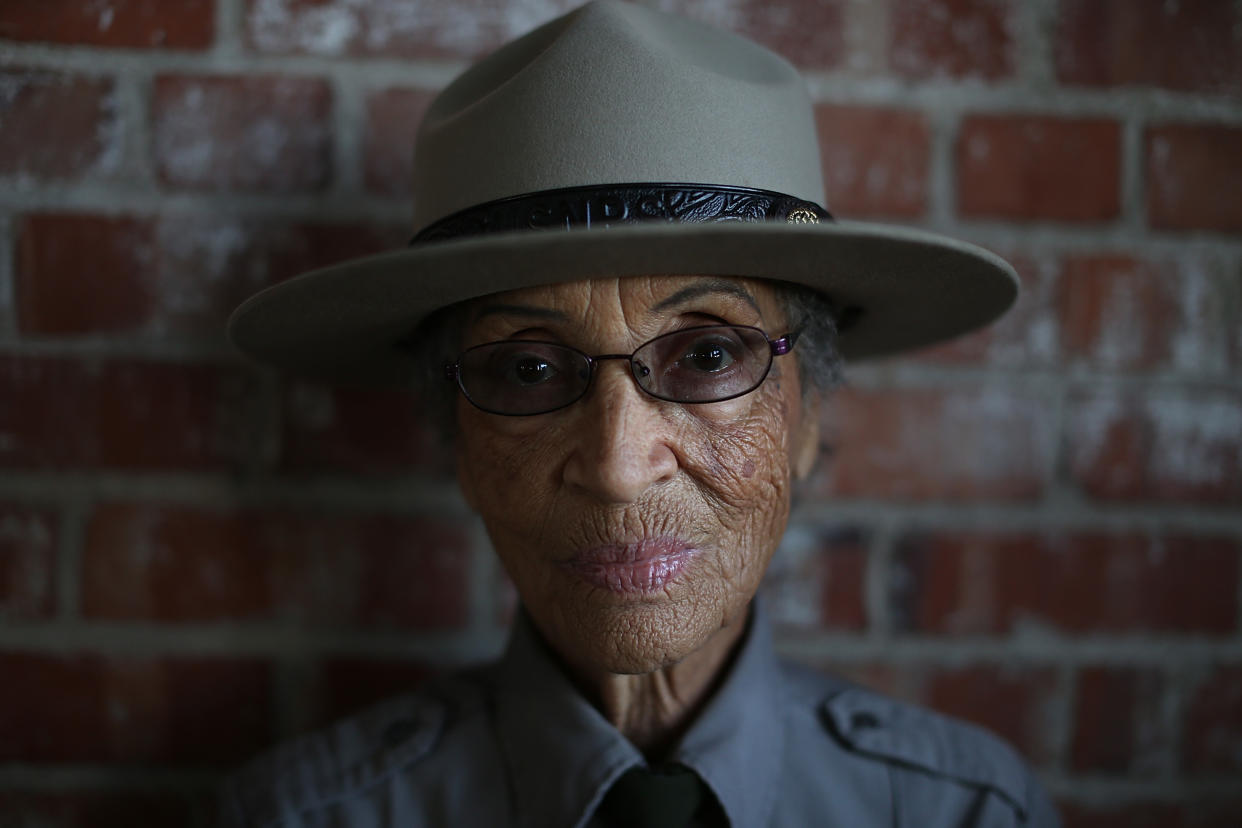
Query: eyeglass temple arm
(783,345)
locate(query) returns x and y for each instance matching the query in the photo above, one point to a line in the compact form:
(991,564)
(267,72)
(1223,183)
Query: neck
(654,710)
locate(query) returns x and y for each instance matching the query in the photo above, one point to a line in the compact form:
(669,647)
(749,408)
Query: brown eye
(709,357)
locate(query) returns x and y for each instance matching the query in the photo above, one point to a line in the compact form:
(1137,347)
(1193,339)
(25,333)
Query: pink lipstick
(632,568)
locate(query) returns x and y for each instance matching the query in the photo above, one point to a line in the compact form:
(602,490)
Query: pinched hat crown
(615,93)
(620,141)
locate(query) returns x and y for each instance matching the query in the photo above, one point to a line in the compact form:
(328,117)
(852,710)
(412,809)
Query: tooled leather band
(575,208)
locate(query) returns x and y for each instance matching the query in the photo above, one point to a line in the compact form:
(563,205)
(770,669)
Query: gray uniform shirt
(514,744)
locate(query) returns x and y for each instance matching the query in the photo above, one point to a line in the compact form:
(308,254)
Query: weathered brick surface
(125,24)
(1119,727)
(985,444)
(1194,45)
(178,564)
(995,583)
(247,133)
(106,809)
(1028,168)
(809,33)
(393,116)
(817,581)
(59,294)
(955,38)
(421,29)
(1195,811)
(170,277)
(28,547)
(1212,727)
(875,161)
(1183,445)
(362,432)
(346,685)
(91,708)
(83,109)
(1026,336)
(1118,312)
(1012,702)
(1193,172)
(123,414)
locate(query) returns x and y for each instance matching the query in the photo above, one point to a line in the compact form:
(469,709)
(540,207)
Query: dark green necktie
(667,796)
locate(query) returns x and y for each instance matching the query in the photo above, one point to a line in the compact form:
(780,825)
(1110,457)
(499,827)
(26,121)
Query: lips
(632,568)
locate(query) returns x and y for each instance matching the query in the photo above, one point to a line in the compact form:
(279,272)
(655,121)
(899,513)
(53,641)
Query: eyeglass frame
(777,347)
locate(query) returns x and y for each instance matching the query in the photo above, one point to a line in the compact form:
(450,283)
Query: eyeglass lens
(695,365)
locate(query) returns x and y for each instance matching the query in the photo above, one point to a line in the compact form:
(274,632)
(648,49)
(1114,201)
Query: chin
(631,637)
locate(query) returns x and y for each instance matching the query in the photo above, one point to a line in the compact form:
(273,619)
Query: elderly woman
(627,291)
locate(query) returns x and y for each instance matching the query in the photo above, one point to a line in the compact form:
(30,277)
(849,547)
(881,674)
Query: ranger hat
(621,141)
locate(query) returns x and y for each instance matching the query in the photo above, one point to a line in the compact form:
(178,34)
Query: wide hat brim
(896,288)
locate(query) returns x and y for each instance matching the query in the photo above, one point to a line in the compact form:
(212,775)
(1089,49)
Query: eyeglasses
(707,364)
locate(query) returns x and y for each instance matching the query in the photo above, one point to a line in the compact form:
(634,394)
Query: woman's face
(634,528)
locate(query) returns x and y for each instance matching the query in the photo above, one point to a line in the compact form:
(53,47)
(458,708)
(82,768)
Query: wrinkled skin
(619,466)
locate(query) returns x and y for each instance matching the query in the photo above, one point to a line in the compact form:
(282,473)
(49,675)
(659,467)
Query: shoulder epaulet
(889,730)
(316,770)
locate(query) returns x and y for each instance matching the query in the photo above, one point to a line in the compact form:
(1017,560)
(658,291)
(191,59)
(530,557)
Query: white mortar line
(1133,190)
(1033,24)
(228,46)
(74,516)
(8,292)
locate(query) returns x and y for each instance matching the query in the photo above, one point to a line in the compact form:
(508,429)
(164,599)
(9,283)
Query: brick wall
(1037,527)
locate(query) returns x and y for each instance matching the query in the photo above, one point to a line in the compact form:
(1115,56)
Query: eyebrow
(707,288)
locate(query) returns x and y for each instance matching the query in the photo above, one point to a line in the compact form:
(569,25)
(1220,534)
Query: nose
(622,442)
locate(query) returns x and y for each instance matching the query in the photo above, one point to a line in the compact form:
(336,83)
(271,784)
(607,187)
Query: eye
(709,355)
(529,369)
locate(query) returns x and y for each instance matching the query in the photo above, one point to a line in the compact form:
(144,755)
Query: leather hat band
(574,208)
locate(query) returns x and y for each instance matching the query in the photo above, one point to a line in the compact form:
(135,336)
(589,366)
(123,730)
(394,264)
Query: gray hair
(436,341)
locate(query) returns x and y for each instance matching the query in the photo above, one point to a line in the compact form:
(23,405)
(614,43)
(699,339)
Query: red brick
(1013,702)
(1160,445)
(106,809)
(1038,168)
(875,160)
(124,24)
(393,116)
(54,298)
(1120,815)
(1196,811)
(348,684)
(955,38)
(28,538)
(1194,172)
(1117,312)
(173,277)
(1118,727)
(83,109)
(178,564)
(923,444)
(86,708)
(1212,737)
(1191,45)
(123,414)
(993,583)
(1025,336)
(809,33)
(354,431)
(291,251)
(398,28)
(818,581)
(254,133)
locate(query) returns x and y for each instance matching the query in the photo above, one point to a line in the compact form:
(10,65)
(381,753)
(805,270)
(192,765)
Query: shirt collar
(563,755)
